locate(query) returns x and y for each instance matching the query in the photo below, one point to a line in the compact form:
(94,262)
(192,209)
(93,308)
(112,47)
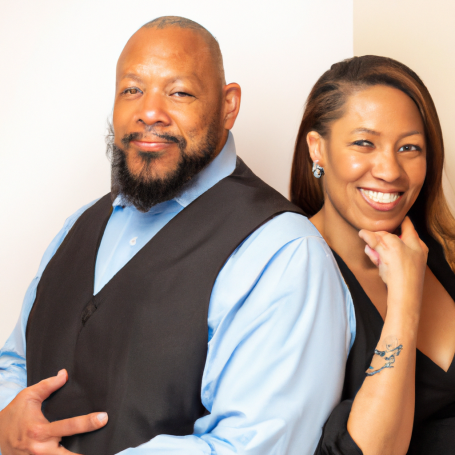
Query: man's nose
(153,110)
(387,166)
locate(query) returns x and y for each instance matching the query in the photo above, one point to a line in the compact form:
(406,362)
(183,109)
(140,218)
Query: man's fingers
(62,451)
(43,389)
(77,425)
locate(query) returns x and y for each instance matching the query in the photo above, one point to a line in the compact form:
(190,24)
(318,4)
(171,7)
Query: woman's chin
(392,226)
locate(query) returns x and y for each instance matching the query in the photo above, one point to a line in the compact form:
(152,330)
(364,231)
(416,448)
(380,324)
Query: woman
(367,169)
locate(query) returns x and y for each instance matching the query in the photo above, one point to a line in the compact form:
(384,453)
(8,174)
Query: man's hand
(25,431)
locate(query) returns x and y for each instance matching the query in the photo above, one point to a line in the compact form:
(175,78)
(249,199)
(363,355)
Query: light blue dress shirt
(281,323)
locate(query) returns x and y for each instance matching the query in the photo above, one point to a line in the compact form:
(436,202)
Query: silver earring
(318,171)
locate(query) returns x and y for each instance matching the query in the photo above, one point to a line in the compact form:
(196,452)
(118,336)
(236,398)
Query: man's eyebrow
(193,77)
(132,76)
(173,80)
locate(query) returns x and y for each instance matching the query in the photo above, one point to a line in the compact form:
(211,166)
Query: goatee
(144,191)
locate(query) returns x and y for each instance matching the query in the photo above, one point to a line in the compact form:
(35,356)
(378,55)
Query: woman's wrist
(406,282)
(402,322)
(405,298)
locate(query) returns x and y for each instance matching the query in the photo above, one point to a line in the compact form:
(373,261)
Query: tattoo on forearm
(392,350)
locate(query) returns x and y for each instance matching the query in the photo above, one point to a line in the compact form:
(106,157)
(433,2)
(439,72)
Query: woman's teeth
(383,198)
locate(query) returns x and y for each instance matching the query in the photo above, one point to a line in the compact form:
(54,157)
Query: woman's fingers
(408,234)
(407,228)
(372,239)
(398,258)
(373,255)
(423,245)
(373,245)
(411,238)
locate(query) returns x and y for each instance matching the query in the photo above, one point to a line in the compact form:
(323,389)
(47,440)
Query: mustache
(138,136)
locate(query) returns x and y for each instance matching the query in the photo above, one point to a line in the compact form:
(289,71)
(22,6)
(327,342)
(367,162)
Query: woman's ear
(314,141)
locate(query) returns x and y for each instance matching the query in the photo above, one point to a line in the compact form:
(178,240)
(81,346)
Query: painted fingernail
(102,416)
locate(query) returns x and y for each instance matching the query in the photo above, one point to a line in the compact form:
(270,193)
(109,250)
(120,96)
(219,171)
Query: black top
(434,420)
(137,349)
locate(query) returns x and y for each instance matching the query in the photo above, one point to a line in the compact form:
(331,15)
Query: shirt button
(133,241)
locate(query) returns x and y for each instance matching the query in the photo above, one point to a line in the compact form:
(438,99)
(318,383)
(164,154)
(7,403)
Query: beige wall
(420,34)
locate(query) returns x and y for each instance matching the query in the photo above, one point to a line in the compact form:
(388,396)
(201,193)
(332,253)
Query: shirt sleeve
(279,337)
(13,374)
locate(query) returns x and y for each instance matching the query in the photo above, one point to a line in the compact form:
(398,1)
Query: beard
(146,190)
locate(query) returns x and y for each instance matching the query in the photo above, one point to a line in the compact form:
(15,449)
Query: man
(189,245)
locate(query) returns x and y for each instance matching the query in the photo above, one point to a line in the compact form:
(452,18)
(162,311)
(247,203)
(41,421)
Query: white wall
(57,80)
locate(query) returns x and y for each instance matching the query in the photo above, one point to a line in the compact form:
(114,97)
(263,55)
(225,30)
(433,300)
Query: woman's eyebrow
(376,133)
(365,130)
(411,133)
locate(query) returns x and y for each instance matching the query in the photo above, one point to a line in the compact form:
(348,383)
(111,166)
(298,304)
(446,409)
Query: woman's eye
(409,148)
(363,143)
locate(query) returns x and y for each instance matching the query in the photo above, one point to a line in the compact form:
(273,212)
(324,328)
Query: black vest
(137,349)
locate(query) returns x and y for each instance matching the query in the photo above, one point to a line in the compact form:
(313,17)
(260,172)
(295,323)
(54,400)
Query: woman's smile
(382,201)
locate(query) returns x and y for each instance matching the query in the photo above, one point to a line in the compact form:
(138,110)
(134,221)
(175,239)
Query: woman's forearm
(382,414)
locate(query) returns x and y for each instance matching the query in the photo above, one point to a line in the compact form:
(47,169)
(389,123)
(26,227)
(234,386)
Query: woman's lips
(381,201)
(154,146)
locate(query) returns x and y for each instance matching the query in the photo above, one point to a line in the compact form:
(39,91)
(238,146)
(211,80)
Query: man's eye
(131,91)
(409,148)
(181,94)
(363,143)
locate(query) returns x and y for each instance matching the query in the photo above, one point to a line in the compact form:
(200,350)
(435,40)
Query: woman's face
(374,159)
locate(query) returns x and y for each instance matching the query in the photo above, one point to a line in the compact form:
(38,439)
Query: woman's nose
(387,166)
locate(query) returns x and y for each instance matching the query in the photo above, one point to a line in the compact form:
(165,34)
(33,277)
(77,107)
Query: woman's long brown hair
(325,104)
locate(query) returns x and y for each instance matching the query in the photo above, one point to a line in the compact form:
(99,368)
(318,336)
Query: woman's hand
(382,415)
(401,260)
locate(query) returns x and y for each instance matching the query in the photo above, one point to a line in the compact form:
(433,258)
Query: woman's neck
(342,237)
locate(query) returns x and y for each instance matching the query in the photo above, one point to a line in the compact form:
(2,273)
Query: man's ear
(315,146)
(232,96)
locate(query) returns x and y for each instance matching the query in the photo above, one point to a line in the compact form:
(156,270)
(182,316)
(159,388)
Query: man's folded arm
(276,357)
(13,374)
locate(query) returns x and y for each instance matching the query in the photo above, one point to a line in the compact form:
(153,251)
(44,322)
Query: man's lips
(381,200)
(151,146)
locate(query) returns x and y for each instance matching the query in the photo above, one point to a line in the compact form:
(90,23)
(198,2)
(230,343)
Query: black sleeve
(335,439)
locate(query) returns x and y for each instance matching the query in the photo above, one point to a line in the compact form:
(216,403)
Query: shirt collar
(219,168)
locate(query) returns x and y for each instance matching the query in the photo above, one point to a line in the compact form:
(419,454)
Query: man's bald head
(182,22)
(172,112)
